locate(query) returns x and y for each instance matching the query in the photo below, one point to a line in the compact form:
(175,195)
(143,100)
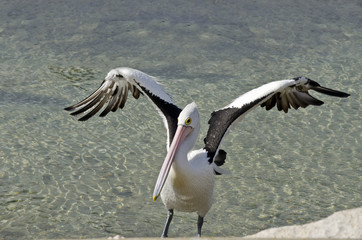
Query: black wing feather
(283,94)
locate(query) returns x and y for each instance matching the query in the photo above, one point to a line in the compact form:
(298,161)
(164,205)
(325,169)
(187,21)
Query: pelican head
(188,126)
(189,116)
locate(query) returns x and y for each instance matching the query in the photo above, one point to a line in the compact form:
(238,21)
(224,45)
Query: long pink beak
(181,132)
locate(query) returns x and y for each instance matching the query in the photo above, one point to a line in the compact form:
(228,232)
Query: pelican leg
(200,221)
(168,221)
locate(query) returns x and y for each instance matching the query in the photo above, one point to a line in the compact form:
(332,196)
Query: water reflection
(64,179)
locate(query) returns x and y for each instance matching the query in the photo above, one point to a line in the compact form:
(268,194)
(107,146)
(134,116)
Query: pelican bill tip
(155,198)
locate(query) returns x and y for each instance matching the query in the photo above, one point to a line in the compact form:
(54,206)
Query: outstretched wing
(284,93)
(113,92)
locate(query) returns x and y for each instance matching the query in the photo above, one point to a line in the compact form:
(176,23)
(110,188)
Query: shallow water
(61,178)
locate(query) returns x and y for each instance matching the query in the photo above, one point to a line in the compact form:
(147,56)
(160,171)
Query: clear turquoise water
(60,178)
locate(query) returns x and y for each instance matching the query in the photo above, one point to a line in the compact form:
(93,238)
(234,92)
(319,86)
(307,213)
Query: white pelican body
(186,179)
(190,188)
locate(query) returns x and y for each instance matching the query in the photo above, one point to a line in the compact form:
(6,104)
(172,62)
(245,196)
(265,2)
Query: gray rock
(343,224)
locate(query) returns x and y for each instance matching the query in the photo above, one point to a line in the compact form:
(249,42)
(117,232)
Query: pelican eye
(119,76)
(188,121)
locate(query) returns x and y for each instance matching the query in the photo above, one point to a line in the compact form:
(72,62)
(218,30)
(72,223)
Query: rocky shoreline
(345,224)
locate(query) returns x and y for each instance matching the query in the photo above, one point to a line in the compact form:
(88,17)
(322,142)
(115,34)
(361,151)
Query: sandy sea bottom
(60,178)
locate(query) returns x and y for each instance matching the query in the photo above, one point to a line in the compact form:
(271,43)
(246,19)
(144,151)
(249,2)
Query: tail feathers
(220,158)
(220,171)
(219,161)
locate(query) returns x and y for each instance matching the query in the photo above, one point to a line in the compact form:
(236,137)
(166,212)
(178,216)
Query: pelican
(186,178)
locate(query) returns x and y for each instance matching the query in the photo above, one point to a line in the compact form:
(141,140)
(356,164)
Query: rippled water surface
(60,178)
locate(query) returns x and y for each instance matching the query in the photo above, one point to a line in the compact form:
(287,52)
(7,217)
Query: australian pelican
(186,179)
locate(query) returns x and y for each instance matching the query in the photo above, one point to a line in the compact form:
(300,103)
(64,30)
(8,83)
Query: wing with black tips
(284,94)
(113,93)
